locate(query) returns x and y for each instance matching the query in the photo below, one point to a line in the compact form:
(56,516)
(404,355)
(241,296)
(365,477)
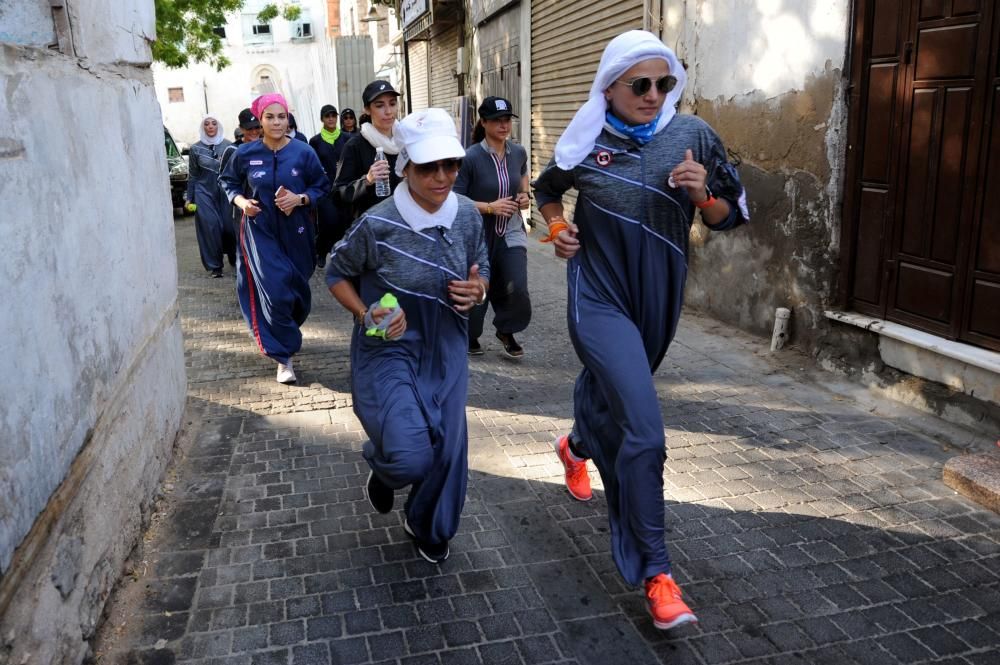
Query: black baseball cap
(328,109)
(495,107)
(347,112)
(248,120)
(375,89)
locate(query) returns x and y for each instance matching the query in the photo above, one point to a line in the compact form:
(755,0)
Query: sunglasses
(430,168)
(640,86)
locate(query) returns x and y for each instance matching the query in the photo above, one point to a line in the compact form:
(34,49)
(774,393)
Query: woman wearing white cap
(425,245)
(641,172)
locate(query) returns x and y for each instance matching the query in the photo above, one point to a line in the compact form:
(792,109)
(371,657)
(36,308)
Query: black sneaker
(510,345)
(474,348)
(379,494)
(216,274)
(432,553)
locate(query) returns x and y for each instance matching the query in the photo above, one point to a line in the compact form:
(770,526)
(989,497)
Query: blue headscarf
(641,134)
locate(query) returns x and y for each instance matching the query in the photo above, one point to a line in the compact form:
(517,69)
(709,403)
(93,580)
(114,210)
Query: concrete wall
(302,70)
(768,76)
(94,384)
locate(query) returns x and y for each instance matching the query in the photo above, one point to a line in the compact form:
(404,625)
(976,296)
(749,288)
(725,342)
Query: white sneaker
(285,373)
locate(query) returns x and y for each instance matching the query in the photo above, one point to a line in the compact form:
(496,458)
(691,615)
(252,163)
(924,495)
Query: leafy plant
(185,31)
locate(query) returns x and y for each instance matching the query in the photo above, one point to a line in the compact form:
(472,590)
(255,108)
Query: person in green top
(333,221)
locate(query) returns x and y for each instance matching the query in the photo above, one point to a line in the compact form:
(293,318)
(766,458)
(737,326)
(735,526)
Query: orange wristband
(555,228)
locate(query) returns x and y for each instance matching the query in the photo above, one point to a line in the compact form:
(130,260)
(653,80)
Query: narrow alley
(805,526)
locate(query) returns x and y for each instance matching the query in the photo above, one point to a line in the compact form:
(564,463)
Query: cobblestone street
(805,526)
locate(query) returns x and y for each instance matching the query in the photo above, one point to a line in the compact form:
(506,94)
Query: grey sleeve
(354,254)
(464,179)
(552,183)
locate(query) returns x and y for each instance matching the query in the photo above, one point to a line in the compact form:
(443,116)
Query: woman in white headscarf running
(641,172)
(212,217)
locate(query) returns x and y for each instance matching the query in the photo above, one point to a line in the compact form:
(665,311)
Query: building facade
(295,58)
(95,384)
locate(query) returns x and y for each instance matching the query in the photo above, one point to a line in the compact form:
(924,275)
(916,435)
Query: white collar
(419,219)
(379,140)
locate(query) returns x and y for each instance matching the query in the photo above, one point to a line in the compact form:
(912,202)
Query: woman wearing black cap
(349,122)
(495,176)
(329,145)
(358,170)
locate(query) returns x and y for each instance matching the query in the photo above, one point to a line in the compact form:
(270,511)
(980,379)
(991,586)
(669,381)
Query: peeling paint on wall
(768,77)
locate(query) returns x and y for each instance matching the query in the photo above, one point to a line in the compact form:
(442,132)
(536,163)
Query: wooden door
(920,245)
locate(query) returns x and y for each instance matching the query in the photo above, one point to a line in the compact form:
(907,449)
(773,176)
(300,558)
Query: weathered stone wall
(94,385)
(768,76)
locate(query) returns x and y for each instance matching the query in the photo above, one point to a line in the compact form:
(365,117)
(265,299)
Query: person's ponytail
(478,132)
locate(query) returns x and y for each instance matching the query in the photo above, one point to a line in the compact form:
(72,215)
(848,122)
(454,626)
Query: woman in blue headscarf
(641,172)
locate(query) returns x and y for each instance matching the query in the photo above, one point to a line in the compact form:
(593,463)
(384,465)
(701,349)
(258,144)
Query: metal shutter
(418,75)
(567,39)
(443,82)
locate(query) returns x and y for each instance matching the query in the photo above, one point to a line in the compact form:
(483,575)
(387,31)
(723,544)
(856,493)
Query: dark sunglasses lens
(641,86)
(666,84)
(448,165)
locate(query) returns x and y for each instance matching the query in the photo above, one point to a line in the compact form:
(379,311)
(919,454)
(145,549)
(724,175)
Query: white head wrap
(219,134)
(621,53)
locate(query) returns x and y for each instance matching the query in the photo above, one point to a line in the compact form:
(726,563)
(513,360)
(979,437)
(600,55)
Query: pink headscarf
(262,102)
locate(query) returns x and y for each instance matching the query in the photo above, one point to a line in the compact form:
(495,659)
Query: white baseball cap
(426,136)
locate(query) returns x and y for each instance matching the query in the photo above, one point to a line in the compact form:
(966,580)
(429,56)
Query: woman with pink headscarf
(275,182)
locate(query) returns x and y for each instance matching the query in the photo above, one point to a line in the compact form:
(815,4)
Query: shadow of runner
(272,554)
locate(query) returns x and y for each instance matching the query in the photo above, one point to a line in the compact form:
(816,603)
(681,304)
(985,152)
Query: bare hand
(398,325)
(287,201)
(251,208)
(468,293)
(504,207)
(523,200)
(566,243)
(691,175)
(379,171)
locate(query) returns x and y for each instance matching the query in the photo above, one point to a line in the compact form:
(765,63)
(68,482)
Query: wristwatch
(302,199)
(708,202)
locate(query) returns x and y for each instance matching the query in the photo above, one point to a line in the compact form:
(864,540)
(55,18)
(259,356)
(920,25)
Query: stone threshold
(962,367)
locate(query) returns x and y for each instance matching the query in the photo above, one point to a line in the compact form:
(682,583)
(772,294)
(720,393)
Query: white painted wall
(767,47)
(305,74)
(94,383)
(772,71)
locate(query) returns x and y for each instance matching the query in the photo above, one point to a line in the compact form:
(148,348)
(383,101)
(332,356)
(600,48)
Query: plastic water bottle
(382,188)
(372,329)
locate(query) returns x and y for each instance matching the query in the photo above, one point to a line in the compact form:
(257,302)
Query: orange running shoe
(663,599)
(577,480)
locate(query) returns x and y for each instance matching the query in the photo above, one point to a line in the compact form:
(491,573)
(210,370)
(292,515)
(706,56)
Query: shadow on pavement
(271,553)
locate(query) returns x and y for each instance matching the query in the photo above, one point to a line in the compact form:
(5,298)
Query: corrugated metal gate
(443,82)
(419,81)
(567,39)
(500,63)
